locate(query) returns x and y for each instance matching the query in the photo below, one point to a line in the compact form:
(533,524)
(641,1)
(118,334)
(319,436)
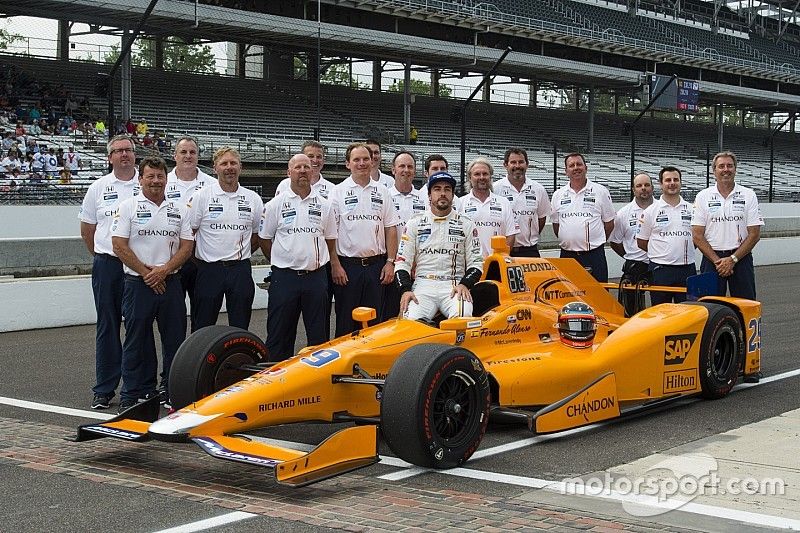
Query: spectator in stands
(161,144)
(19,131)
(623,239)
(298,236)
(10,162)
(366,243)
(130,128)
(413,135)
(492,214)
(225,217)
(73,161)
(64,176)
(35,113)
(147,141)
(375,172)
(99,207)
(528,199)
(315,152)
(152,248)
(183,183)
(583,218)
(142,128)
(726,225)
(100,127)
(665,234)
(70,104)
(408,202)
(26,166)
(35,129)
(8,141)
(50,163)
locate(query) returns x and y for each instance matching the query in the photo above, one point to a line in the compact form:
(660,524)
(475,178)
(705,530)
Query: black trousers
(670,276)
(593,260)
(232,280)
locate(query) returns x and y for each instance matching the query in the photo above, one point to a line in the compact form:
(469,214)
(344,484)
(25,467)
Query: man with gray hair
(491,214)
(97,213)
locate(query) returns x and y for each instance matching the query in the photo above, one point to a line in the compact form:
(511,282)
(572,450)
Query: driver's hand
(462,292)
(407,297)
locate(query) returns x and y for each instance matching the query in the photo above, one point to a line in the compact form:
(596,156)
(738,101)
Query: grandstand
(741,59)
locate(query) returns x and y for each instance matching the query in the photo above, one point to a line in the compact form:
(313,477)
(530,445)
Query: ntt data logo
(670,484)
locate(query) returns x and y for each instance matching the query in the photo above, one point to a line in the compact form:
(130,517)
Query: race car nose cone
(178,423)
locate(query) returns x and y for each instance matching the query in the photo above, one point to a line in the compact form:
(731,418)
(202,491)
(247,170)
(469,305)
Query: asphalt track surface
(109,485)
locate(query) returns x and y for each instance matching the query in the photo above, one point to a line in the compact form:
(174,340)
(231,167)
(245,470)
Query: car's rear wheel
(435,405)
(209,361)
(721,351)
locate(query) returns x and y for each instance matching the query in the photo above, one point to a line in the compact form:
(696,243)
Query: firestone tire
(435,405)
(721,351)
(205,362)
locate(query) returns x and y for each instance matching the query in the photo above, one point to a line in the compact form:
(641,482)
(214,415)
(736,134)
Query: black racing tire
(435,405)
(203,363)
(721,351)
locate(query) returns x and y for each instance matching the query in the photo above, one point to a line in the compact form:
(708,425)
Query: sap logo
(677,347)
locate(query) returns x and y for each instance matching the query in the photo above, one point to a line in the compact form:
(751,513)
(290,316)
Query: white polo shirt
(384,179)
(529,204)
(407,205)
(100,205)
(492,217)
(362,214)
(225,222)
(726,219)
(322,187)
(581,215)
(153,231)
(298,228)
(182,191)
(626,227)
(668,231)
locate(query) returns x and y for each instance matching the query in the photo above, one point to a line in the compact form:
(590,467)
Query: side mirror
(364,315)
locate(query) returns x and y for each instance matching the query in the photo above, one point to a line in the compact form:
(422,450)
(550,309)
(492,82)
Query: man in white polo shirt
(623,240)
(665,234)
(97,213)
(408,202)
(528,199)
(316,153)
(152,237)
(225,217)
(726,226)
(583,218)
(375,172)
(183,182)
(298,234)
(491,214)
(366,243)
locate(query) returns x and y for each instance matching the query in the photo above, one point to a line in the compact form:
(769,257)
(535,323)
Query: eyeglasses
(122,151)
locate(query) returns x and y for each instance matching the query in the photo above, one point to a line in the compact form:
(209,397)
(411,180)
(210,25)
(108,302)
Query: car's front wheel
(210,360)
(721,351)
(435,405)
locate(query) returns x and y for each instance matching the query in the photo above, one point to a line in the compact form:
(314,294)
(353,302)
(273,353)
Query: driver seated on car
(441,248)
(577,325)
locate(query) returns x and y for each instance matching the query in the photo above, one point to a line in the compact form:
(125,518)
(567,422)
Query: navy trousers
(525,251)
(363,289)
(593,260)
(670,276)
(188,281)
(232,280)
(142,306)
(290,294)
(742,283)
(107,287)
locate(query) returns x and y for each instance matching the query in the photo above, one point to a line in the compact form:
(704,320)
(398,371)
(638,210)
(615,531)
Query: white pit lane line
(508,479)
(208,523)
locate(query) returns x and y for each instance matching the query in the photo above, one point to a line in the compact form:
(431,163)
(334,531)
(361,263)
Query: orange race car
(431,388)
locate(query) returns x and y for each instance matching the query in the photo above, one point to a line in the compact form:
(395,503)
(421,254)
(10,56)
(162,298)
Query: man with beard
(583,218)
(665,234)
(225,217)
(97,213)
(528,199)
(441,248)
(152,237)
(491,214)
(298,236)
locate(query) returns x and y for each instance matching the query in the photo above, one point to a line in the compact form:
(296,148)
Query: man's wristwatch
(390,260)
(734,258)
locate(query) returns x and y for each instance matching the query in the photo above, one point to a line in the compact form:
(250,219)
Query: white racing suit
(441,252)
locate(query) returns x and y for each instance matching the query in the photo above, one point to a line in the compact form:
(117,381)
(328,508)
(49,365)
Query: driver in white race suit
(441,247)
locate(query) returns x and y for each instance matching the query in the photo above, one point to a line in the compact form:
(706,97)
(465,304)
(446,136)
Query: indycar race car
(432,387)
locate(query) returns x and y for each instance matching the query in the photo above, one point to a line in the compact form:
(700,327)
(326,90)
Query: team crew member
(182,184)
(441,248)
(492,214)
(408,202)
(623,239)
(225,217)
(298,232)
(152,237)
(97,213)
(375,172)
(666,235)
(726,225)
(528,199)
(316,153)
(583,218)
(366,233)
(72,161)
